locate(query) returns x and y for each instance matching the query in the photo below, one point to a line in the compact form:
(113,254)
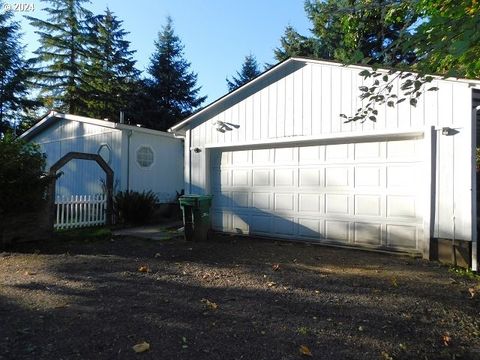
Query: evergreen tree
(110,75)
(250,70)
(171,88)
(352,31)
(294,44)
(13,73)
(60,59)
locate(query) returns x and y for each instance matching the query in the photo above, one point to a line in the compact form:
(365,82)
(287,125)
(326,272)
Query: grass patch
(91,233)
(465,273)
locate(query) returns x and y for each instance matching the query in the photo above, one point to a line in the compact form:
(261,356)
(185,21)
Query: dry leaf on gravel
(472,292)
(210,304)
(446,339)
(141,347)
(143,269)
(271,284)
(276,267)
(304,350)
(30,273)
(394,282)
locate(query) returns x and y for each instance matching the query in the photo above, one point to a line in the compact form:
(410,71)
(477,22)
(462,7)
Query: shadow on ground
(87,299)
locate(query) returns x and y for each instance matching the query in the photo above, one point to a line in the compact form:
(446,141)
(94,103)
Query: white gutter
(474,191)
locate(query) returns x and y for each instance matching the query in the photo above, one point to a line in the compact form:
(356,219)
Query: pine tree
(171,87)
(13,73)
(61,57)
(294,44)
(110,75)
(250,70)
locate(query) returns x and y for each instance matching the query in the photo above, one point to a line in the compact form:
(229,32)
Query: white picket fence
(80,211)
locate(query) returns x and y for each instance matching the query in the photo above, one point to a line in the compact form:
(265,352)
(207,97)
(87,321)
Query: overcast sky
(217,34)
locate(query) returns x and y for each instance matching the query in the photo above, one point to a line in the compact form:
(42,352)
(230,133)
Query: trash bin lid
(195,200)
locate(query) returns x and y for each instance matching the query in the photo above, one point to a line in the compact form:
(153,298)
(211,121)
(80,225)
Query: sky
(217,34)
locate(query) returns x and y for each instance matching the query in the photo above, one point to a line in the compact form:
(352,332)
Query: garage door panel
(337,177)
(367,233)
(262,177)
(368,151)
(261,200)
(240,177)
(283,225)
(310,228)
(309,177)
(337,230)
(363,194)
(368,205)
(310,202)
(284,202)
(260,224)
(368,176)
(337,204)
(402,236)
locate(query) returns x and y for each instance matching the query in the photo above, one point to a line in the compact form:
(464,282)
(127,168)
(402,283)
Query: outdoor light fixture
(447,131)
(197,150)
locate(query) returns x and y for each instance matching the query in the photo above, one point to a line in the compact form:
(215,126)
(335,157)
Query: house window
(145,156)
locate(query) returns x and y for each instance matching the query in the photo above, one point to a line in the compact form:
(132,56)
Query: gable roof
(54,116)
(281,66)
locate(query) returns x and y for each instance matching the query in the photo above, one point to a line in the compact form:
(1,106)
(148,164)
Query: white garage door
(365,193)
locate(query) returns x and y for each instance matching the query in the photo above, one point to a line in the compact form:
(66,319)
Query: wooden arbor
(82,156)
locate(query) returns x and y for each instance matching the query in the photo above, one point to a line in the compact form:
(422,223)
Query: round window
(145,156)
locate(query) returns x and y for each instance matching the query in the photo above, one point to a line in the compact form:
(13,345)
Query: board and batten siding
(305,99)
(63,137)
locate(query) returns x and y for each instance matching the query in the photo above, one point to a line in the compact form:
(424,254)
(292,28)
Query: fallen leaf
(141,347)
(304,350)
(30,273)
(394,282)
(210,304)
(143,269)
(386,356)
(472,292)
(157,255)
(271,284)
(276,267)
(446,339)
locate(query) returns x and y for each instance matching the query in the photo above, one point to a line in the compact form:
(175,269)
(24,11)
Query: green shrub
(23,181)
(132,207)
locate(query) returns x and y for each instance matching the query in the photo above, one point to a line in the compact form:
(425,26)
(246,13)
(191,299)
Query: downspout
(129,135)
(474,191)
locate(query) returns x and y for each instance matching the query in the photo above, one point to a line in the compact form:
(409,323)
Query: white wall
(165,176)
(80,176)
(306,99)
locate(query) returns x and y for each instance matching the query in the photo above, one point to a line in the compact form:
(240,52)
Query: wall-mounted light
(447,131)
(197,150)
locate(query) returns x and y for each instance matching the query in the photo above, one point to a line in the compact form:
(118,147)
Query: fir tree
(171,88)
(250,70)
(13,73)
(61,57)
(110,74)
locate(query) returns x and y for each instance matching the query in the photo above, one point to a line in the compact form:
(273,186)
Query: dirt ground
(230,298)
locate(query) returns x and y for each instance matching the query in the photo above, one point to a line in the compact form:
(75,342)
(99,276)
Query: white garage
(281,162)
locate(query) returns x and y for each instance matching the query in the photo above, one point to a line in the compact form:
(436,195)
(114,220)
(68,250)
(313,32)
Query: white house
(281,162)
(141,159)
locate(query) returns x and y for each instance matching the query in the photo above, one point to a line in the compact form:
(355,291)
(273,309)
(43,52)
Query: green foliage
(23,182)
(351,31)
(465,273)
(446,43)
(250,70)
(170,91)
(110,73)
(132,207)
(13,72)
(61,57)
(85,234)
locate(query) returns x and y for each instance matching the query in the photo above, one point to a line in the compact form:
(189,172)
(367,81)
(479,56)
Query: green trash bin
(196,216)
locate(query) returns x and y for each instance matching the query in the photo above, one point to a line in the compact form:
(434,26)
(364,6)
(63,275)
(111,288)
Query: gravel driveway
(230,298)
